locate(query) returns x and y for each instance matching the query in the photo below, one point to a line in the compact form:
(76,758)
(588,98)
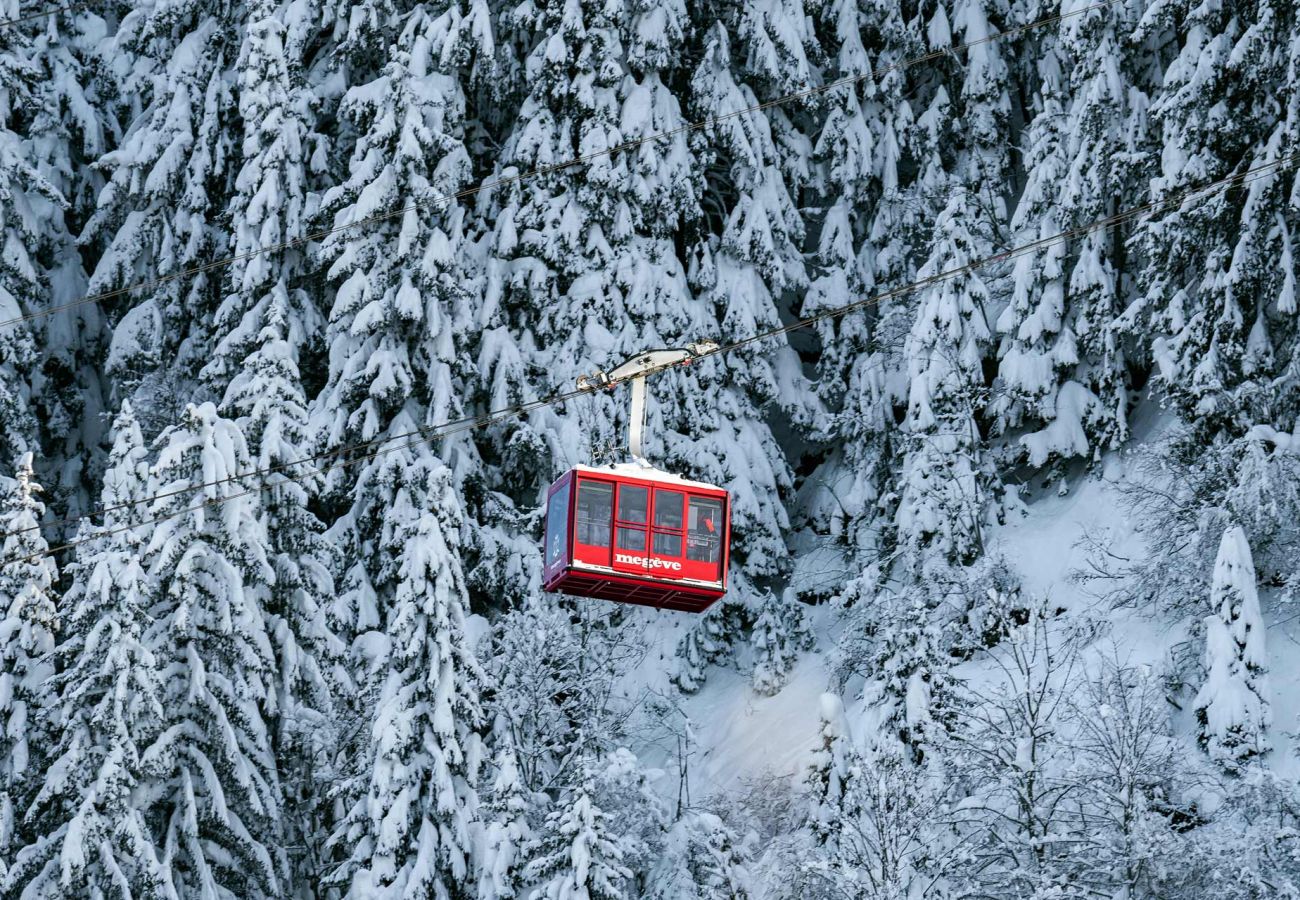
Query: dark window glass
(668,509)
(632,503)
(595,510)
(704,530)
(631,538)
(557,523)
(668,544)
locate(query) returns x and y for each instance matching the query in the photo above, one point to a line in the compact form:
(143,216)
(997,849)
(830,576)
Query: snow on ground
(744,735)
(1284,688)
(1044,541)
(740,736)
(735,733)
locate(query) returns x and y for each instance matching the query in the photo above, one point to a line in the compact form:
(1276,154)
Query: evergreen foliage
(297,648)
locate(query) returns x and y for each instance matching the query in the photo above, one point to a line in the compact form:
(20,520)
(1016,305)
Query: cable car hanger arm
(635,370)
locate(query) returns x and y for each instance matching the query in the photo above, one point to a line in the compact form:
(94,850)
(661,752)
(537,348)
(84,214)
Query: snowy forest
(1013,606)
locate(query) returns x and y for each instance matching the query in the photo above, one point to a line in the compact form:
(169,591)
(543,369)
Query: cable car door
(631,529)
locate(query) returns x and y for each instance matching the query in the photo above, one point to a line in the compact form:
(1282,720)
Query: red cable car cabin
(636,535)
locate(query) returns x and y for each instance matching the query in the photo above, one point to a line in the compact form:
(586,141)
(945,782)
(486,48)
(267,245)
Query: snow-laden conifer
(780,631)
(266,320)
(1232,706)
(91,835)
(411,788)
(944,484)
(834,763)
(749,260)
(162,210)
(702,860)
(29,604)
(270,204)
(1211,272)
(576,854)
(583,268)
(27,201)
(214,800)
(505,827)
(1063,355)
(862,248)
(397,282)
(68,129)
(711,640)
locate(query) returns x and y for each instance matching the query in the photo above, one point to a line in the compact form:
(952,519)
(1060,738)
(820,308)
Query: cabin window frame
(593,553)
(629,526)
(660,530)
(707,569)
(557,525)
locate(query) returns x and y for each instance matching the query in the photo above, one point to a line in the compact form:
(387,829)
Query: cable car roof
(647,473)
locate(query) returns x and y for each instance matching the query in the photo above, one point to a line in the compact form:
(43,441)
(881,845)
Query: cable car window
(595,510)
(704,532)
(668,544)
(557,524)
(631,538)
(632,503)
(668,509)
(668,522)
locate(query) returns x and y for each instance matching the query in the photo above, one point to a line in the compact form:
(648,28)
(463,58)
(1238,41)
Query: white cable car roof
(647,472)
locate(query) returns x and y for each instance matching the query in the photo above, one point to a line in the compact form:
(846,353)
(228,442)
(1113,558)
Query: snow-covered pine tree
(1039,349)
(1211,270)
(29,602)
(90,836)
(583,268)
(982,103)
(634,808)
(780,631)
(412,788)
(576,854)
(599,243)
(1064,351)
(214,802)
(701,860)
(901,644)
(27,201)
(69,128)
(504,819)
(861,247)
(746,268)
(709,641)
(944,485)
(163,209)
(265,320)
(1232,707)
(834,763)
(390,338)
(270,203)
(743,267)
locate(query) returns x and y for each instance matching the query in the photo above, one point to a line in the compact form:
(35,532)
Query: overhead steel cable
(445,199)
(841,82)
(426,435)
(18,20)
(477,421)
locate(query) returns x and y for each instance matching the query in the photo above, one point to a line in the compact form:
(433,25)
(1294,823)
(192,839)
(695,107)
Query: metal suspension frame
(635,370)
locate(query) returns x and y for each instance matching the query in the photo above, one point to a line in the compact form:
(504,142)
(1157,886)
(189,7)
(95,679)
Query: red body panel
(652,541)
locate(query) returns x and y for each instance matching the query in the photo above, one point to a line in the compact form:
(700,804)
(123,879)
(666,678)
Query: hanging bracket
(635,370)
